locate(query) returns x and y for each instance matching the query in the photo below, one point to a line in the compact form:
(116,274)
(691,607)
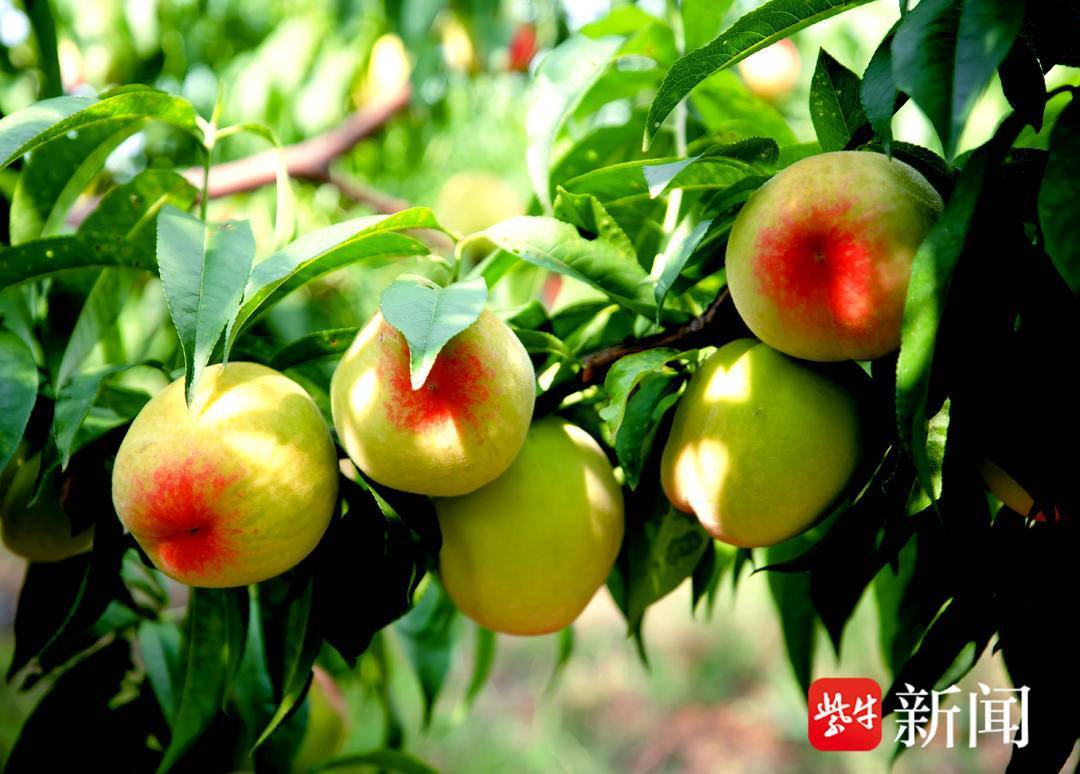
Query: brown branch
(309,159)
(718,323)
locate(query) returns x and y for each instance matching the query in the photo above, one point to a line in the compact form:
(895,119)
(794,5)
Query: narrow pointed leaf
(204,268)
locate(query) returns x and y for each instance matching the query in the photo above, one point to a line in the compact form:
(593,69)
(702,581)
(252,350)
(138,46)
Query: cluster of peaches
(241,485)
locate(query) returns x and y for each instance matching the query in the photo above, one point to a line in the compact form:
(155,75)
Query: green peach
(41,532)
(759,446)
(819,258)
(459,431)
(526,553)
(238,488)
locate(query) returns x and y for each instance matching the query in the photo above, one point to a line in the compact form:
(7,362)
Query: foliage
(160,290)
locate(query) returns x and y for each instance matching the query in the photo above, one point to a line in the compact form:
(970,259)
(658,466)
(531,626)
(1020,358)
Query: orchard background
(448,118)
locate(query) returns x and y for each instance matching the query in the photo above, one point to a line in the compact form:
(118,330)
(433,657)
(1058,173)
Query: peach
(819,258)
(460,430)
(236,489)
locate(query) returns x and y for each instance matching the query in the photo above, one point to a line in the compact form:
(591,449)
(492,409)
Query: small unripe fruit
(759,446)
(819,258)
(236,489)
(41,532)
(460,430)
(526,553)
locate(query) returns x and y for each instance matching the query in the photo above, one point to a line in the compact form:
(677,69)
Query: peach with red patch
(819,258)
(461,429)
(238,487)
(455,391)
(179,511)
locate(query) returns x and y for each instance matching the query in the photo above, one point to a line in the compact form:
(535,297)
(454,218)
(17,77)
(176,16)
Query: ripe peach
(819,258)
(459,431)
(237,488)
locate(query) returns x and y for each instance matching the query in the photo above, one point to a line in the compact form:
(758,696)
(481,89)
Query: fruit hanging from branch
(526,553)
(238,487)
(819,259)
(42,532)
(459,430)
(760,445)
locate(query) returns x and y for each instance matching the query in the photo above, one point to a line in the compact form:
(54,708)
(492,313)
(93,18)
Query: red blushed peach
(460,430)
(237,488)
(819,258)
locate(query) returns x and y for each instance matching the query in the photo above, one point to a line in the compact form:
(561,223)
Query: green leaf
(41,257)
(625,374)
(878,91)
(374,240)
(708,574)
(718,166)
(730,111)
(834,103)
(587,213)
(657,558)
(670,263)
(204,268)
(601,147)
(159,647)
(34,126)
(945,53)
(428,316)
(379,760)
(214,621)
(483,659)
(560,82)
(313,346)
(1023,83)
(18,392)
(557,246)
(22,126)
(798,618)
(97,320)
(375,544)
(93,702)
(292,638)
(931,272)
(564,651)
(761,27)
(1059,193)
(51,181)
(645,411)
(73,403)
(541,341)
(428,633)
(702,20)
(130,210)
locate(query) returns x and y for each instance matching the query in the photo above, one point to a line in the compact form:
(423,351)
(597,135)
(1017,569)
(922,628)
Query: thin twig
(309,160)
(717,324)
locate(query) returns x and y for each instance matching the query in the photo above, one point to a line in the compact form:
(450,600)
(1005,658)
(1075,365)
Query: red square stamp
(844,714)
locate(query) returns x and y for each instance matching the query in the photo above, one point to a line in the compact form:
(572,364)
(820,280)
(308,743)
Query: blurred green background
(719,695)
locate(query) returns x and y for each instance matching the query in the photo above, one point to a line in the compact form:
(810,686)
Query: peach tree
(958,513)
